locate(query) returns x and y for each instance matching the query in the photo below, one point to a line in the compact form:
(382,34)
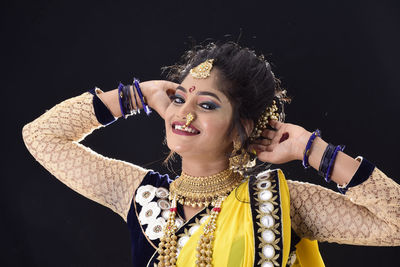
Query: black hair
(245,78)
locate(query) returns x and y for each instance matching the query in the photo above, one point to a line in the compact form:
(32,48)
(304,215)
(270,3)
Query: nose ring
(189,118)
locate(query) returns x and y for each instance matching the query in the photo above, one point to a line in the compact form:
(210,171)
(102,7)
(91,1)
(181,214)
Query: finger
(275,124)
(270,134)
(170,85)
(264,142)
(262,148)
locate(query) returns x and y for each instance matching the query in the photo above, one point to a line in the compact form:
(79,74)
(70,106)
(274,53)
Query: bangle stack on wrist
(328,158)
(126,102)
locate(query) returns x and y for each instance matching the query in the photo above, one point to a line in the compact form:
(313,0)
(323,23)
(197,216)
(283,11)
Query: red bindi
(191,89)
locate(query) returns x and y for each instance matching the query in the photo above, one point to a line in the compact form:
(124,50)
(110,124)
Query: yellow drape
(234,235)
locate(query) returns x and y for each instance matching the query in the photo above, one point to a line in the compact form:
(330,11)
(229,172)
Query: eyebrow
(199,93)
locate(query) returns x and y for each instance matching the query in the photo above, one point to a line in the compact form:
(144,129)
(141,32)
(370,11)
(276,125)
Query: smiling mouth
(182,129)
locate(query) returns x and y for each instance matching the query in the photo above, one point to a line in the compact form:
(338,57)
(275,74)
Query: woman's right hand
(157,94)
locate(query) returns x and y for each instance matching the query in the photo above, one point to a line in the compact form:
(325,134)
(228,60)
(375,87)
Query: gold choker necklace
(204,190)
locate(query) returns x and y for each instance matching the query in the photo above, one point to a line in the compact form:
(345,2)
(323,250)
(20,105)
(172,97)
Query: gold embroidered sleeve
(369,213)
(53,139)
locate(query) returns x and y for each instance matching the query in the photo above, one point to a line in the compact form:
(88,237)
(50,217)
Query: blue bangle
(329,170)
(308,147)
(120,96)
(134,96)
(139,91)
(326,159)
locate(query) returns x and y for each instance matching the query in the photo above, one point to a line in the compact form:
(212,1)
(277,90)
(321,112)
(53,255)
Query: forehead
(210,84)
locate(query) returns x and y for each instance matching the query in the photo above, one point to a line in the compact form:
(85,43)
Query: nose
(186,112)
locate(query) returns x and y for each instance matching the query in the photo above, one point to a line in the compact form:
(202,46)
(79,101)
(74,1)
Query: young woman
(225,111)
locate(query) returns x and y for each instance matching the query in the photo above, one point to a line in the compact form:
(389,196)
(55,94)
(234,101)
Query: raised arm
(53,139)
(366,213)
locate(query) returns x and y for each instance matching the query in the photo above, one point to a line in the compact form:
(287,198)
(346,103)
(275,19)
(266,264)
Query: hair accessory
(189,118)
(270,113)
(241,160)
(142,99)
(203,190)
(203,70)
(331,162)
(308,148)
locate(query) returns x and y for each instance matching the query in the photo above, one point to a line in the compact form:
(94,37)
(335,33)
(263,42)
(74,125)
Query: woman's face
(207,136)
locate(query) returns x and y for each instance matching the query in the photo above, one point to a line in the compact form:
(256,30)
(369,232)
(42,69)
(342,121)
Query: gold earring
(240,159)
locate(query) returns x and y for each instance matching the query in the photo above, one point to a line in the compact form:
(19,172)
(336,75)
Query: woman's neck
(204,167)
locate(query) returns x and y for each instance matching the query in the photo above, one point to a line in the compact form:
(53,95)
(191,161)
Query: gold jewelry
(269,114)
(189,118)
(205,245)
(203,70)
(196,191)
(241,160)
(204,190)
(167,246)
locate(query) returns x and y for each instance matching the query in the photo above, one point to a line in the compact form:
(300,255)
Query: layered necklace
(196,191)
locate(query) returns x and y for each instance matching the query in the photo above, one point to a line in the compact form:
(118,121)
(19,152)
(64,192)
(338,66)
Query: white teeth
(183,128)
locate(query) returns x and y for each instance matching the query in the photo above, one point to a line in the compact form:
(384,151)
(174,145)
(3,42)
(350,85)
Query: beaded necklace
(196,191)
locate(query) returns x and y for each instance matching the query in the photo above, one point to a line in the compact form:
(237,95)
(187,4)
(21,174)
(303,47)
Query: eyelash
(204,105)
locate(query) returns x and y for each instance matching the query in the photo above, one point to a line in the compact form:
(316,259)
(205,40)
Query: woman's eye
(208,105)
(177,99)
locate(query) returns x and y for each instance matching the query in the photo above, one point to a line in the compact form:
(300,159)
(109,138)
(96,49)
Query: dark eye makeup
(207,105)
(177,99)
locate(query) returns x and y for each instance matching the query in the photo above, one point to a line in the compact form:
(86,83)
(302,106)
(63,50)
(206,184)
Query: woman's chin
(181,151)
(185,150)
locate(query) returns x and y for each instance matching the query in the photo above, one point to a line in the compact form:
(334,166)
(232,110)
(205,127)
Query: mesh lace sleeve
(369,213)
(53,139)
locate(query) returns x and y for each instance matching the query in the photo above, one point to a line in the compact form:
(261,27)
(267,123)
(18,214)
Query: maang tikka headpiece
(203,70)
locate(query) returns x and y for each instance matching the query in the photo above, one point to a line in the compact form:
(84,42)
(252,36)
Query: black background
(338,60)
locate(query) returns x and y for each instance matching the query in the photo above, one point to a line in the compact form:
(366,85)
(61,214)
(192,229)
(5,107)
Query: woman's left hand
(286,143)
